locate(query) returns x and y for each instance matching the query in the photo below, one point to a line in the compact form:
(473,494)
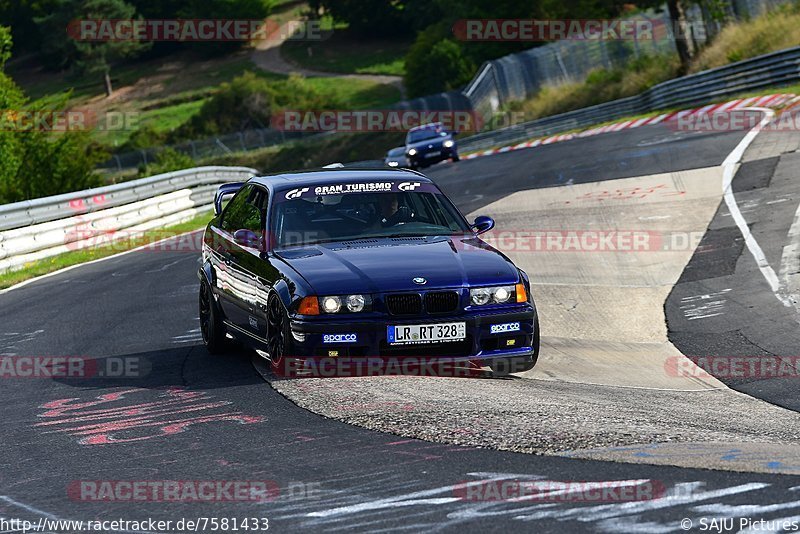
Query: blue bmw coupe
(360,264)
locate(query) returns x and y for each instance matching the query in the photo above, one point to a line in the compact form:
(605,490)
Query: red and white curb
(772,101)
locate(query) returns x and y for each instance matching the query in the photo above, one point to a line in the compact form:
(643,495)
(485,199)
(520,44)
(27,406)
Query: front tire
(278,336)
(211,327)
(507,366)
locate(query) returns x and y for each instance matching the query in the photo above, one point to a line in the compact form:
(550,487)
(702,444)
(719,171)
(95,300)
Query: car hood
(381,265)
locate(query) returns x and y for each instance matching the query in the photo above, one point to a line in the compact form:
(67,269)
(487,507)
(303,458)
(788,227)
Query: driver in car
(391,211)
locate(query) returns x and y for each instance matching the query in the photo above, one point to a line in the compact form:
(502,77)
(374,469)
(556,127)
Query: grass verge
(49,265)
(346,54)
(772,31)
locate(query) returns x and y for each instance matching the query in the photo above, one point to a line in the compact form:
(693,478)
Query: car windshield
(416,136)
(320,219)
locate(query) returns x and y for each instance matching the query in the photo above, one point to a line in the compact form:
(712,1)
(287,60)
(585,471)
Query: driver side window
(243,212)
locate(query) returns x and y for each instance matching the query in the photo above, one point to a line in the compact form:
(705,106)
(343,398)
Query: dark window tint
(245,211)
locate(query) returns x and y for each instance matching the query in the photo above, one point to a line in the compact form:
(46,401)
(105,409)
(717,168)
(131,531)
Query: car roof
(291,180)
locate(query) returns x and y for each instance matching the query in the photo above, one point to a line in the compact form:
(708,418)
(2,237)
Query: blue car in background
(429,144)
(396,157)
(360,264)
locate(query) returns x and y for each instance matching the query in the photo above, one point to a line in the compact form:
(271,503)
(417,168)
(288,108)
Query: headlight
(412,151)
(449,143)
(481,296)
(344,304)
(355,303)
(393,164)
(331,304)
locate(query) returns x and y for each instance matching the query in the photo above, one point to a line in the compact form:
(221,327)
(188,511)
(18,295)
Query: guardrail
(51,208)
(44,227)
(770,70)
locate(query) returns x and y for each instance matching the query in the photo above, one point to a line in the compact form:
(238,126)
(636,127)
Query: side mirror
(454,133)
(223,191)
(248,238)
(482,224)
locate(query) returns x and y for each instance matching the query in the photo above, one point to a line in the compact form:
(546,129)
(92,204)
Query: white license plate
(433,154)
(426,333)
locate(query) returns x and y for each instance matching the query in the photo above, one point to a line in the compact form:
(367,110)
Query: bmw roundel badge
(419,280)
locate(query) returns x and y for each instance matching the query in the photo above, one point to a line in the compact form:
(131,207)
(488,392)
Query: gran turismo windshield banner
(345,188)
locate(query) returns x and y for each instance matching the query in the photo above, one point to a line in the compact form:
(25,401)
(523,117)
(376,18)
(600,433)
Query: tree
(19,15)
(436,64)
(86,56)
(38,163)
(680,31)
(11,98)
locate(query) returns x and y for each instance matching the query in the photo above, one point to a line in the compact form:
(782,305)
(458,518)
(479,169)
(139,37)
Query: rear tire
(507,366)
(211,327)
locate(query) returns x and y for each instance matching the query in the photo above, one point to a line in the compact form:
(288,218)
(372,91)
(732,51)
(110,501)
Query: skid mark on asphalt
(704,306)
(11,340)
(191,336)
(111,418)
(627,505)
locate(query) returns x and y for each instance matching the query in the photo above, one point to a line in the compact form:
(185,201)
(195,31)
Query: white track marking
(728,170)
(790,263)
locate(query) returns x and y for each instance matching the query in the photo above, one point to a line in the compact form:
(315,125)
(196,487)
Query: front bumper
(356,337)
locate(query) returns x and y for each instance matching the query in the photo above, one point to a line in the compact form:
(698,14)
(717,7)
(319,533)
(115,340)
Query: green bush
(145,136)
(770,32)
(167,160)
(601,85)
(435,63)
(248,101)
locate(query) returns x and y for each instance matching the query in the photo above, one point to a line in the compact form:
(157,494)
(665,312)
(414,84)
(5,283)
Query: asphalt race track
(189,416)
